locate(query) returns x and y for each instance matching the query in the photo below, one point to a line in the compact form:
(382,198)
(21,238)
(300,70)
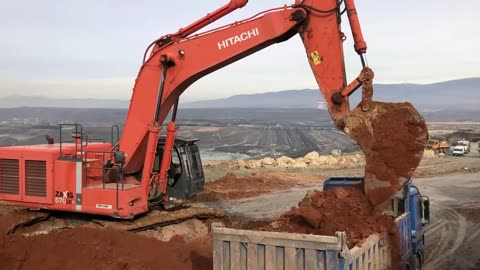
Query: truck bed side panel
(244,249)
(371,254)
(403,223)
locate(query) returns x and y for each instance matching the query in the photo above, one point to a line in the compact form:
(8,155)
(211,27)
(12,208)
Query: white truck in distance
(461,147)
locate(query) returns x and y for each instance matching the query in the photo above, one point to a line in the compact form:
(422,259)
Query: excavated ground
(34,240)
(87,248)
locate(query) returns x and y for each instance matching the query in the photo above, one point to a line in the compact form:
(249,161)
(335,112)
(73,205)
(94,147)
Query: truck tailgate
(245,249)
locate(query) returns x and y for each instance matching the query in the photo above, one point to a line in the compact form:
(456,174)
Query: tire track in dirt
(445,236)
(452,239)
(476,233)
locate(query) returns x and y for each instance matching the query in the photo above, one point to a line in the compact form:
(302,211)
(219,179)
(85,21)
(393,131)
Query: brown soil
(326,212)
(393,138)
(87,248)
(230,187)
(13,219)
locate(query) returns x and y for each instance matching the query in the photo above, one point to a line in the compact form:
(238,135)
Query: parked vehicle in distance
(438,146)
(465,144)
(458,150)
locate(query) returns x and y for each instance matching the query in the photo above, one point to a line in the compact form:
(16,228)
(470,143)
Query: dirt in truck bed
(326,212)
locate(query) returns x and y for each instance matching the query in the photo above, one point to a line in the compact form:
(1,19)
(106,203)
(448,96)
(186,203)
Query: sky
(94,48)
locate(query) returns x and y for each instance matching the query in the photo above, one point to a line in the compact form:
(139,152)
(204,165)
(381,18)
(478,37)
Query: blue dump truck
(246,249)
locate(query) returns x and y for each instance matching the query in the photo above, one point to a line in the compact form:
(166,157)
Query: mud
(348,210)
(393,138)
(230,187)
(87,248)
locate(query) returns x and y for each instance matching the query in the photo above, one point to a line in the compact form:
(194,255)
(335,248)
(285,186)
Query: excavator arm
(173,62)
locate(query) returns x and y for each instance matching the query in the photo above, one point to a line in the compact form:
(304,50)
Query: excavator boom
(178,60)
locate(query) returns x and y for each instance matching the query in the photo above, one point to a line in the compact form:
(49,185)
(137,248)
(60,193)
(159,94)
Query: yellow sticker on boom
(317,59)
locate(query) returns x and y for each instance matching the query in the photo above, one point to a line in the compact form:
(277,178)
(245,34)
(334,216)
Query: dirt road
(453,236)
(264,206)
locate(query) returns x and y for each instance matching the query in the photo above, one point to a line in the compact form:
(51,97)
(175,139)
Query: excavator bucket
(393,137)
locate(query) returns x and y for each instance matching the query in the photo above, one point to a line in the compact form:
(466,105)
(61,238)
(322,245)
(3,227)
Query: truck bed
(246,249)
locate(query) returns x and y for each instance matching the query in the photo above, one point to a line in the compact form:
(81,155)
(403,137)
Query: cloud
(116,88)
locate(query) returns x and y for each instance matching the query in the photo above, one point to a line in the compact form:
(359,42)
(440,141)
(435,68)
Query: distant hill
(455,94)
(213,116)
(449,95)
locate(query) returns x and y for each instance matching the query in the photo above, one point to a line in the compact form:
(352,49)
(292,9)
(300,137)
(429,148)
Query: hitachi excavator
(126,178)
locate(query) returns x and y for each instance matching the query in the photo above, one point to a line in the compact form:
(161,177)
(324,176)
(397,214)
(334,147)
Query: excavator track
(158,218)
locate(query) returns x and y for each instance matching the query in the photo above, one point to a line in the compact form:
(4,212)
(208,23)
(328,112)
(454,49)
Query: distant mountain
(305,98)
(38,101)
(203,116)
(455,94)
(449,95)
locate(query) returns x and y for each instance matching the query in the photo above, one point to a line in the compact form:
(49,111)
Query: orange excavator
(126,178)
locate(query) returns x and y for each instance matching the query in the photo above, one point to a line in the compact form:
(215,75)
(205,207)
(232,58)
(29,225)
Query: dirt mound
(429,153)
(393,137)
(86,248)
(231,187)
(326,212)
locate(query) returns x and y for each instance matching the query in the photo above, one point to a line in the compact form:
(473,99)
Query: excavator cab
(185,176)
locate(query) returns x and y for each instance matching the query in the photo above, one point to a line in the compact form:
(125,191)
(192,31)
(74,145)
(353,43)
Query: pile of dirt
(87,248)
(428,153)
(393,137)
(231,187)
(326,212)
